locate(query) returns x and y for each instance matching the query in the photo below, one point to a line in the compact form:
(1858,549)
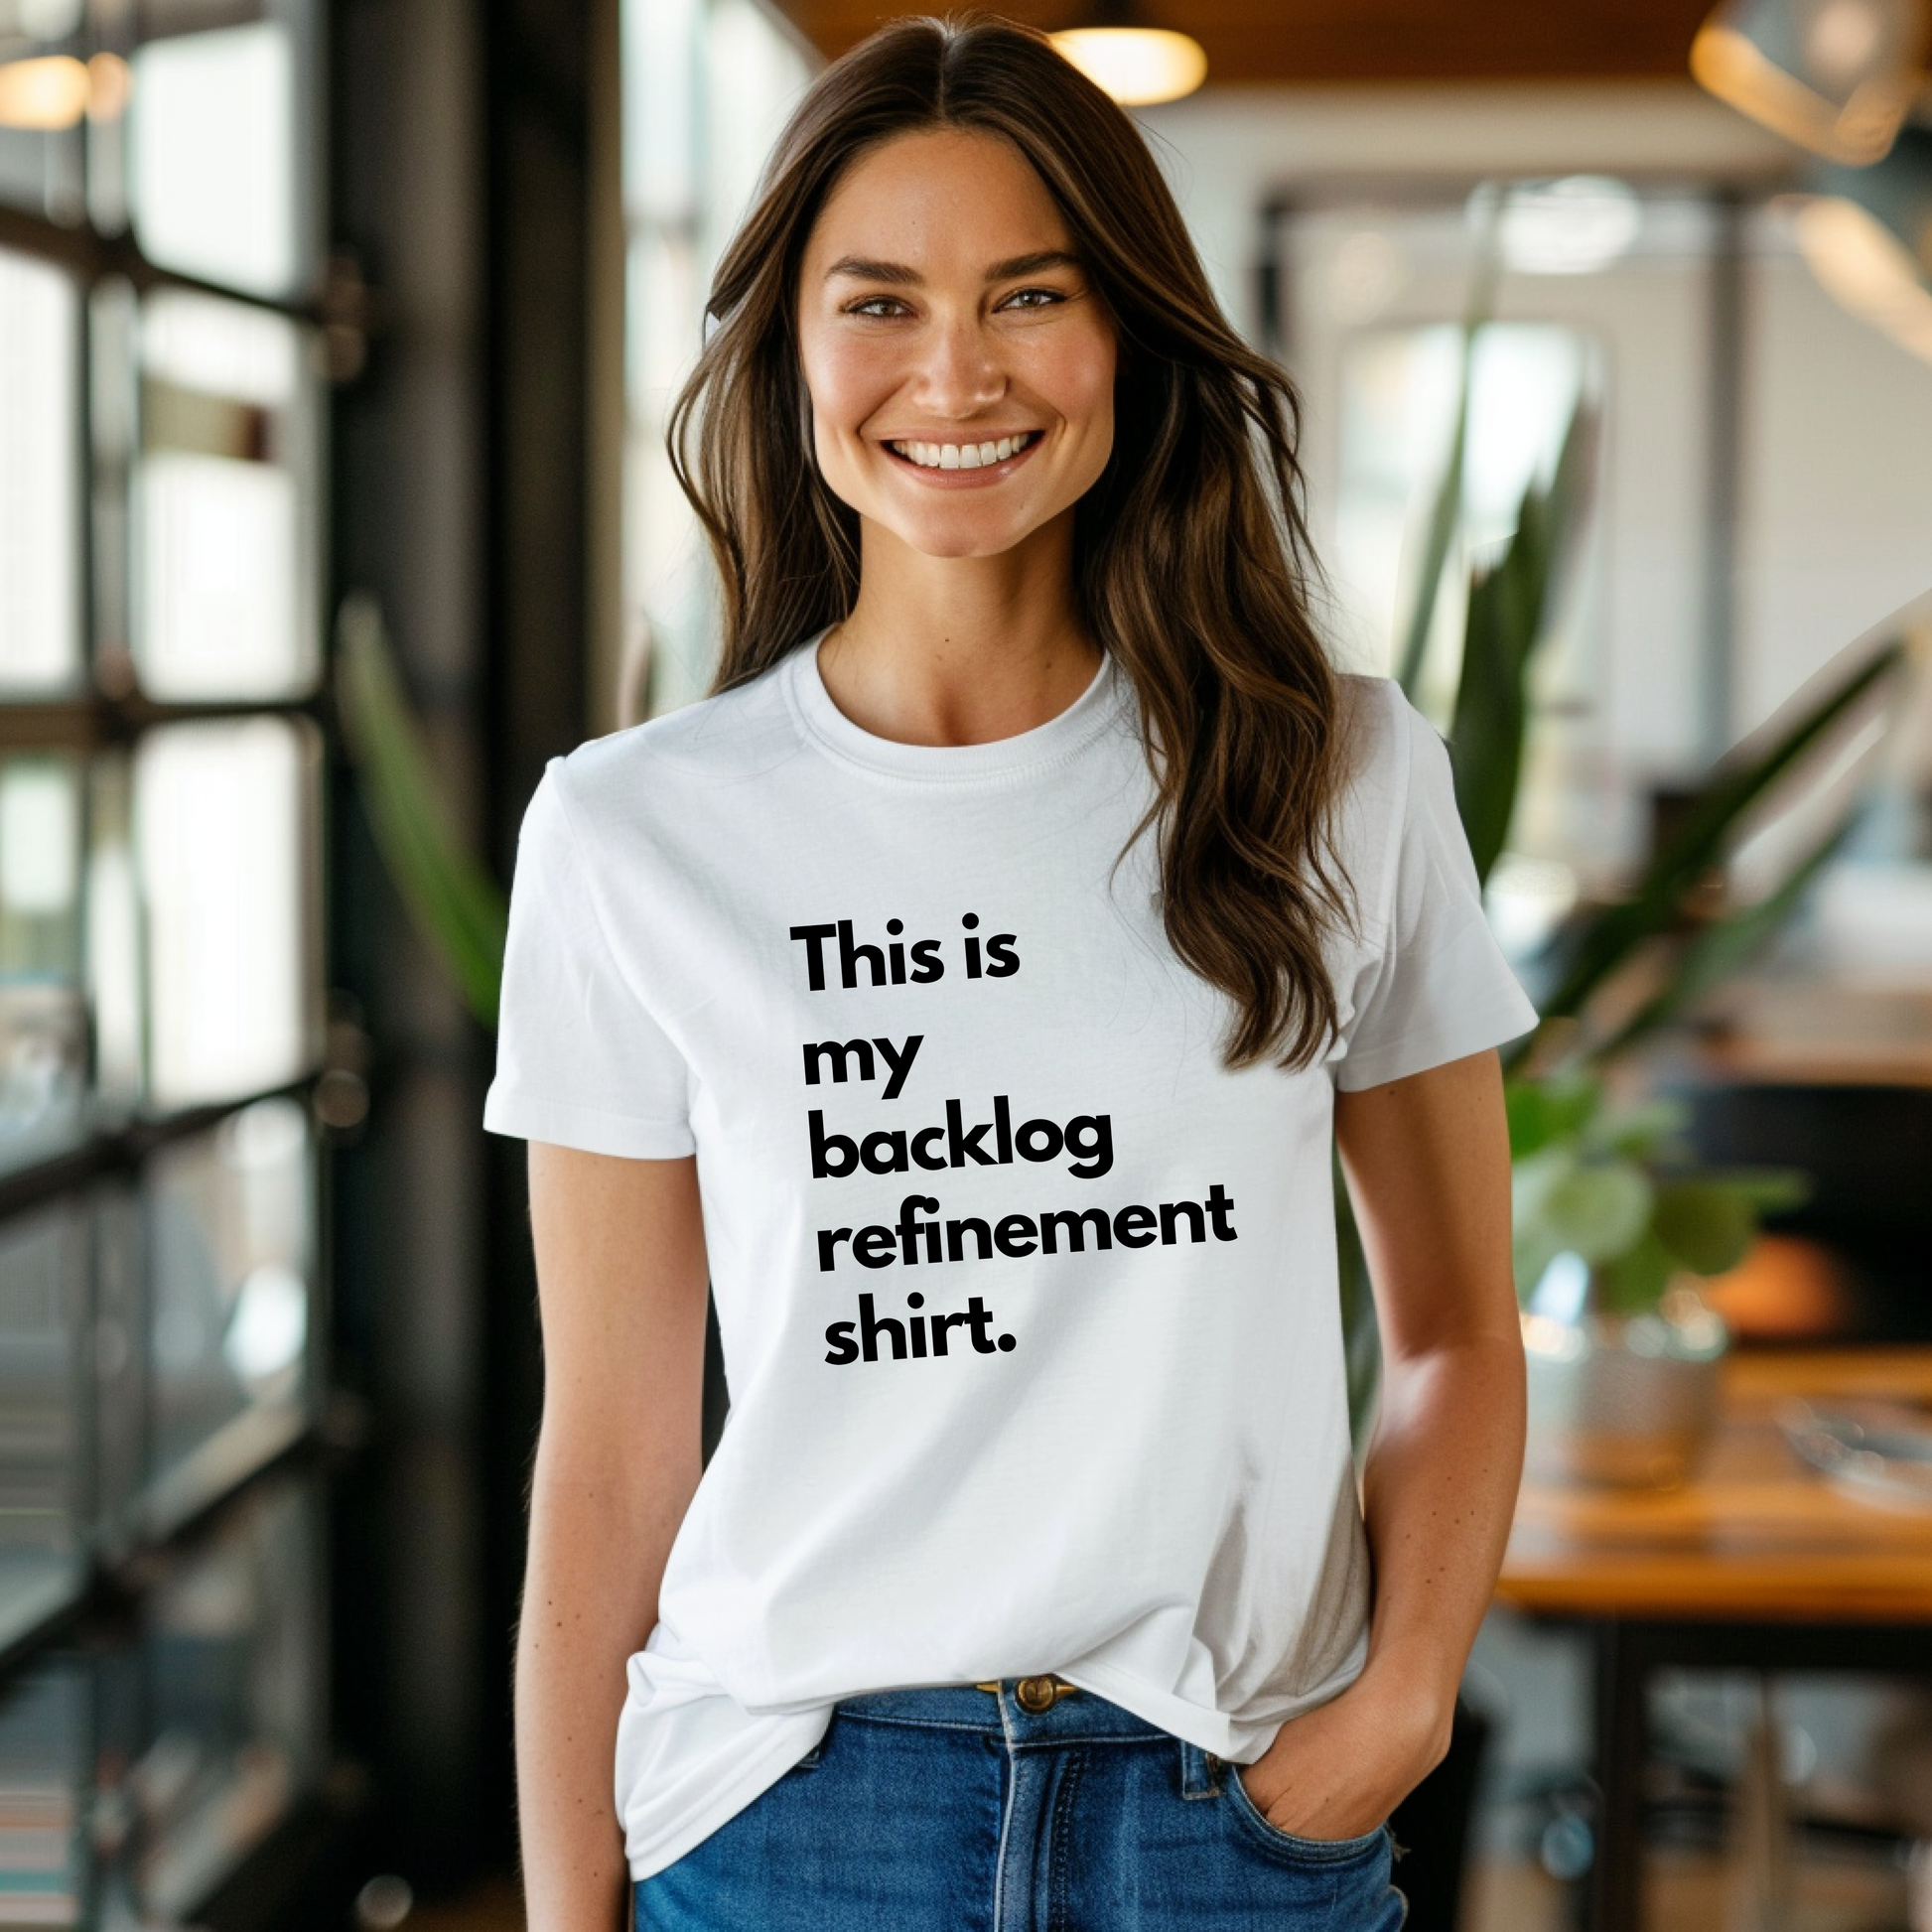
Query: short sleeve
(1440,987)
(579,1060)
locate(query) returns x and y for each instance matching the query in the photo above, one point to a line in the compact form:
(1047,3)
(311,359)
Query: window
(708,84)
(161,573)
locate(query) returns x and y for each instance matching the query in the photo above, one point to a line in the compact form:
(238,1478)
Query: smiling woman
(1023,738)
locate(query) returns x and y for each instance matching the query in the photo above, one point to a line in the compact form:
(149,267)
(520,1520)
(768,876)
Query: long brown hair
(1190,551)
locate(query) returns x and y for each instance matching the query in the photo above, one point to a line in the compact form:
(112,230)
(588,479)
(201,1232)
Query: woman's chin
(956,535)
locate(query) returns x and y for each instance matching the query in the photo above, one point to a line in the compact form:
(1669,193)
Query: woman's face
(961,368)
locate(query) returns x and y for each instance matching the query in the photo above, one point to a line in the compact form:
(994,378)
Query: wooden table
(1756,1563)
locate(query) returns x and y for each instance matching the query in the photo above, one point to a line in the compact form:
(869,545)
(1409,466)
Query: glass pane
(42,1018)
(44,90)
(43,1411)
(120,1323)
(224,503)
(43,1749)
(226,818)
(230,1267)
(230,1658)
(215,172)
(114,916)
(39,432)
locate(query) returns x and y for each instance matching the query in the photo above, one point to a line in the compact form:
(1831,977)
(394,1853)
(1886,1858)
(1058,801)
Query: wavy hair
(1191,552)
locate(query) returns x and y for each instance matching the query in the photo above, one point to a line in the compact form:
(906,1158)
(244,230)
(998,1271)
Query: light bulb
(1138,66)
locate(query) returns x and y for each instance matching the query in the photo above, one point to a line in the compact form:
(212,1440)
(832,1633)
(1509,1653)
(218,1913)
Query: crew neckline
(1059,739)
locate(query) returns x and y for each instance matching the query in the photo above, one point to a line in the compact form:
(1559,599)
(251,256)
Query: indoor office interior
(337,344)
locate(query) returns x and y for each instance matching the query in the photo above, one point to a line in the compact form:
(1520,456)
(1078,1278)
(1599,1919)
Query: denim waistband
(1079,1716)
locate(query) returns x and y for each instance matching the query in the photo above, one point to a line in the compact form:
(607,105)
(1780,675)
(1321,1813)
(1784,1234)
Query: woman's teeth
(961,456)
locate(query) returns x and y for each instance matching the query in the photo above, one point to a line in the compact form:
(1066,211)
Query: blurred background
(336,345)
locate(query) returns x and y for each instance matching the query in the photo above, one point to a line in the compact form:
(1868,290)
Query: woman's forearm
(1438,1495)
(620,1275)
(590,1600)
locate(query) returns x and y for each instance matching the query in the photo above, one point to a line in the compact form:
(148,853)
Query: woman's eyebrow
(862,269)
(1031,264)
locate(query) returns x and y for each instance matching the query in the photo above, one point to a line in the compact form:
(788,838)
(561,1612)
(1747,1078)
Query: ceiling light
(1867,237)
(44,94)
(1138,66)
(1572,226)
(1833,75)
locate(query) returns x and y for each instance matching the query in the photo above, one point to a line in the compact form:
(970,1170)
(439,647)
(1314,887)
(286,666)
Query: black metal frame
(85,723)
(1625,1653)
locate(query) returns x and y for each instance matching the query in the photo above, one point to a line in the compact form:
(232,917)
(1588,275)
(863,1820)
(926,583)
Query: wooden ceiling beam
(1366,41)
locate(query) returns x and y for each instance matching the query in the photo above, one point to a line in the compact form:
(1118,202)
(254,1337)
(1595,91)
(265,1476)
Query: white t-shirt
(1029,1305)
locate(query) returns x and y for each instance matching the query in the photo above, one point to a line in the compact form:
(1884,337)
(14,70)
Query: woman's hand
(1339,1770)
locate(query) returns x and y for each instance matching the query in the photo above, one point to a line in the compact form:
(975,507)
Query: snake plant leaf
(1446,510)
(1508,618)
(1728,944)
(456,907)
(1605,941)
(1362,1334)
(1702,1225)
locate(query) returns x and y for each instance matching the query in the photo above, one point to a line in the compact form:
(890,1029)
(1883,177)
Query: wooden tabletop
(1756,1536)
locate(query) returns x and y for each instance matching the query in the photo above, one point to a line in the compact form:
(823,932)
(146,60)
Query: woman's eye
(1032,299)
(876,305)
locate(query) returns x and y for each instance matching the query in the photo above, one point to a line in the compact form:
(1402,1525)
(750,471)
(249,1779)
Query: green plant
(456,907)
(1620,1190)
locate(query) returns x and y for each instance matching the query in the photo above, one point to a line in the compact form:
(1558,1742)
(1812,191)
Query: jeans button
(1036,1694)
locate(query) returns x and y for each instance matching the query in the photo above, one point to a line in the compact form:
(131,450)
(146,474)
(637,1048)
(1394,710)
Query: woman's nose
(960,373)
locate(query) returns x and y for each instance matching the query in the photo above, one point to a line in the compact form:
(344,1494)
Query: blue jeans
(954,1810)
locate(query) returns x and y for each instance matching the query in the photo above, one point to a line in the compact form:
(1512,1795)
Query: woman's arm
(620,1278)
(1428,1167)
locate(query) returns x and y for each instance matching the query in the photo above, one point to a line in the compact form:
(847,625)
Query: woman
(971,990)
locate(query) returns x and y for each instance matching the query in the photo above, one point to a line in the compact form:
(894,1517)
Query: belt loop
(1200,1772)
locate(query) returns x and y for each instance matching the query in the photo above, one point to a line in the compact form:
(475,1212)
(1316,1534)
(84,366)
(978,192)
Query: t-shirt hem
(1507,1018)
(720,1805)
(1210,1730)
(561,1123)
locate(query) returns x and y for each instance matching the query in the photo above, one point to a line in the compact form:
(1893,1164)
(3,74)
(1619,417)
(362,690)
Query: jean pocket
(1308,1851)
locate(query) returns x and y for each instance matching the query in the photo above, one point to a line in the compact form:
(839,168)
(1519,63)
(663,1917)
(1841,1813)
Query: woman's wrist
(1414,1696)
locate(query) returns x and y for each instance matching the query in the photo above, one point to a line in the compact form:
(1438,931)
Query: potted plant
(1614,1225)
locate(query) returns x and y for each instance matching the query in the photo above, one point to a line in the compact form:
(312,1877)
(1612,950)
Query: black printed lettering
(814,937)
(956,1232)
(875,1247)
(851,954)
(872,1327)
(1014,1236)
(1172,1210)
(840,1055)
(1222,1208)
(899,1062)
(1074,1221)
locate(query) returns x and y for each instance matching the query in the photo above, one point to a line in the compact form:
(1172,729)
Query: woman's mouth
(964,456)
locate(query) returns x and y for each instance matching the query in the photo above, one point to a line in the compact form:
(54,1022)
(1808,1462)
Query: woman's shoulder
(730,739)
(1379,733)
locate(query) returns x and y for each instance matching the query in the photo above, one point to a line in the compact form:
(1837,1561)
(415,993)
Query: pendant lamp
(1139,66)
(1835,76)
(1867,234)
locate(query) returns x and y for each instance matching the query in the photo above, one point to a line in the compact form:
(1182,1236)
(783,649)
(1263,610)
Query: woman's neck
(960,651)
